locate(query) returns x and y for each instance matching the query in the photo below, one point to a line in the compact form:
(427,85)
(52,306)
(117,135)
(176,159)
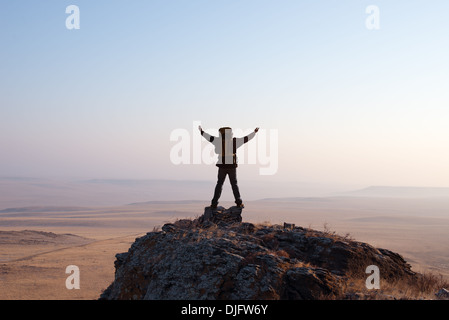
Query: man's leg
(219,187)
(235,188)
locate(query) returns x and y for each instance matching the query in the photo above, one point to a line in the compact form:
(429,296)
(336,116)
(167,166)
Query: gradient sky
(351,105)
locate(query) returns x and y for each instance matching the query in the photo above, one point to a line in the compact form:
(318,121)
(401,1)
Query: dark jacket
(226,147)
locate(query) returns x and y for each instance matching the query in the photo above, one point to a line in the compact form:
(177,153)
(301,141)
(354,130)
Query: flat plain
(38,242)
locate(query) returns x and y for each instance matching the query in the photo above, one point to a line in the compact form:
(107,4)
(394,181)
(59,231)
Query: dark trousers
(222,172)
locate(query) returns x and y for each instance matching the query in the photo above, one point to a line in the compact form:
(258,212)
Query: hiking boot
(213,206)
(241,205)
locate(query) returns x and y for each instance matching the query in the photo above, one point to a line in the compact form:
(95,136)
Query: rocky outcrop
(217,256)
(443,294)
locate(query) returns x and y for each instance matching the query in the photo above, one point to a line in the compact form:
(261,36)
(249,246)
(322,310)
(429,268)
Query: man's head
(226,132)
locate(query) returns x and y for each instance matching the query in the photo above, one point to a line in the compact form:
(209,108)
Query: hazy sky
(350,105)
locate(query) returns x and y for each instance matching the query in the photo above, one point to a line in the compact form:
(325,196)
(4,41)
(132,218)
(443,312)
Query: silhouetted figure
(226,147)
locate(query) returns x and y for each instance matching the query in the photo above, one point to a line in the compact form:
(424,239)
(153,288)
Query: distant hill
(166,202)
(17,245)
(40,237)
(43,209)
(402,192)
(31,192)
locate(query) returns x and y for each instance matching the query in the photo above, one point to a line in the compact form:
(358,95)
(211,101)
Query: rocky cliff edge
(217,256)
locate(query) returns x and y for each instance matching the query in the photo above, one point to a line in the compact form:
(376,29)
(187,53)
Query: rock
(443,294)
(120,258)
(221,216)
(289,225)
(169,227)
(217,256)
(310,284)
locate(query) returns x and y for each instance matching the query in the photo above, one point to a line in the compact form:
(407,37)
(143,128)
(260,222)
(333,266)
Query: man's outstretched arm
(206,136)
(241,141)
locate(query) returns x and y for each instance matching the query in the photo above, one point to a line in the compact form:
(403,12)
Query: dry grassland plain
(38,243)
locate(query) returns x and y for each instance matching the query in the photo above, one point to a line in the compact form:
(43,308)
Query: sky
(342,103)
